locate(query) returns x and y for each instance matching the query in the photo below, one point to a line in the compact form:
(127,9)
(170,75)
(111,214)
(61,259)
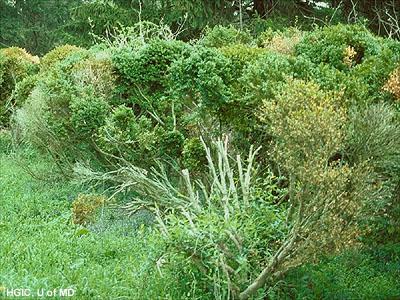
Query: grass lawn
(40,248)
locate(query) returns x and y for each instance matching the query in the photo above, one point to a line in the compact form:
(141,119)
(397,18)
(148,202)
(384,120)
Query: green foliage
(171,144)
(15,65)
(262,78)
(203,77)
(340,46)
(146,69)
(128,113)
(56,55)
(283,42)
(24,88)
(333,61)
(374,72)
(93,72)
(87,115)
(98,18)
(225,253)
(308,126)
(128,136)
(240,56)
(36,25)
(302,116)
(213,224)
(373,136)
(5,141)
(68,105)
(220,36)
(114,248)
(356,274)
(193,155)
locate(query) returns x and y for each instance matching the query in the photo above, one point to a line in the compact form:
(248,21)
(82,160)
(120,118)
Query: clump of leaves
(24,88)
(85,207)
(220,36)
(194,157)
(281,42)
(331,45)
(56,55)
(143,72)
(393,84)
(15,65)
(222,226)
(203,77)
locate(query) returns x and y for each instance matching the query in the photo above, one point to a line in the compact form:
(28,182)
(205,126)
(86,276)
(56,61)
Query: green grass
(358,274)
(41,248)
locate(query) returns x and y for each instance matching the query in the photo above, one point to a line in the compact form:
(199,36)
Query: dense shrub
(261,79)
(240,56)
(193,155)
(56,55)
(144,71)
(139,109)
(88,114)
(351,59)
(374,72)
(78,105)
(220,36)
(171,144)
(281,42)
(308,126)
(67,105)
(128,136)
(213,225)
(96,72)
(142,95)
(202,86)
(224,251)
(24,88)
(302,116)
(19,55)
(15,65)
(203,78)
(173,91)
(341,46)
(393,84)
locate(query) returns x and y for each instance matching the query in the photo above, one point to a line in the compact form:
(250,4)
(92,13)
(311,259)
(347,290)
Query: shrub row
(323,104)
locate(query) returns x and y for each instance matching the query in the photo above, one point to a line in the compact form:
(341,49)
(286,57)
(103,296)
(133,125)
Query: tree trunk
(335,3)
(259,7)
(348,8)
(263,7)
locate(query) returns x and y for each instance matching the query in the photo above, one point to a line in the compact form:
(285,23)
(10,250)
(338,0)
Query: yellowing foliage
(308,124)
(349,55)
(283,43)
(57,54)
(96,72)
(19,54)
(393,84)
(85,206)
